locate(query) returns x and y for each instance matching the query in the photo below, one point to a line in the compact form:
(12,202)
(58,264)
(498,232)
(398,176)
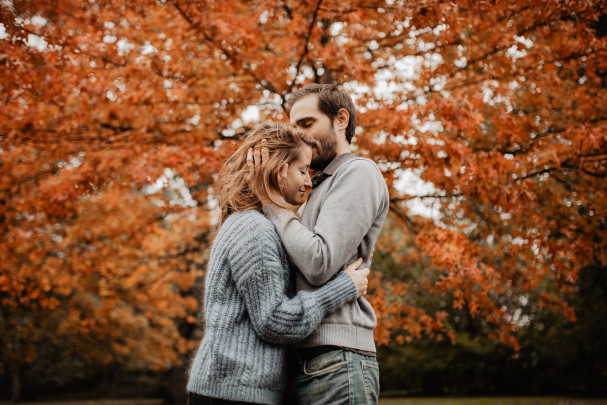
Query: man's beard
(326,151)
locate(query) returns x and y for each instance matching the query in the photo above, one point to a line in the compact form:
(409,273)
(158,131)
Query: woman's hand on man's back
(359,276)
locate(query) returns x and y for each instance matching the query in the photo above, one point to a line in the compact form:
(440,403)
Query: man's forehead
(305,107)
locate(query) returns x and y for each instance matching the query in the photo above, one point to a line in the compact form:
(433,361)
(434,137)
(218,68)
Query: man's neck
(330,169)
(340,151)
(342,148)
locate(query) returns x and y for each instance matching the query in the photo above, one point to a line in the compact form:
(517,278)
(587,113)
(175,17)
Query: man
(340,222)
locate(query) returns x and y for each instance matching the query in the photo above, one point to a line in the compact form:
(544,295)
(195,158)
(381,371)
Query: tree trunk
(16,383)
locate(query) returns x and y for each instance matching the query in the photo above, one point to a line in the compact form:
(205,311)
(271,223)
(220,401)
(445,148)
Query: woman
(249,316)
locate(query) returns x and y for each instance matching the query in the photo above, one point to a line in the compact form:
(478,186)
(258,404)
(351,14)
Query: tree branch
(305,46)
(209,39)
(396,210)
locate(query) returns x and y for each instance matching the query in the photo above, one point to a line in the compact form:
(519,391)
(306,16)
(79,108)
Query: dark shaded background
(557,357)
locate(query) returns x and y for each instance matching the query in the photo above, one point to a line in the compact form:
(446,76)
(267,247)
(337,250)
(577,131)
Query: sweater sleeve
(348,212)
(259,277)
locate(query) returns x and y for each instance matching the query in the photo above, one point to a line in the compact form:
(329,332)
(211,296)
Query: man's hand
(257,160)
(359,276)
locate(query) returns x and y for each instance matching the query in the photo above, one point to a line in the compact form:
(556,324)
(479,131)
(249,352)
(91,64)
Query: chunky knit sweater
(249,317)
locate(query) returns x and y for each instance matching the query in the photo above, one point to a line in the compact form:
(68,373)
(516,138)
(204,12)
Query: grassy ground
(98,402)
(492,401)
(384,401)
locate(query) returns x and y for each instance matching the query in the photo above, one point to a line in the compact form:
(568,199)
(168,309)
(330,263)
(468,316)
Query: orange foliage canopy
(501,105)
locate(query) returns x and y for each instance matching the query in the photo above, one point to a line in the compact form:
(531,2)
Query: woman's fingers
(362,282)
(356,264)
(359,276)
(365,273)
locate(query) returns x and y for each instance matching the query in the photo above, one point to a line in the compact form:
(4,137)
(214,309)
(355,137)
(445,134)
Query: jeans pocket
(324,364)
(370,370)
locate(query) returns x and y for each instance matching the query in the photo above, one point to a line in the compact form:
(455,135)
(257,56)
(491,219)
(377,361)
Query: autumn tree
(104,182)
(506,118)
(116,116)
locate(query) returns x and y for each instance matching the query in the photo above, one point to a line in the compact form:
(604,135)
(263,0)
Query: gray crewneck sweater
(249,317)
(340,222)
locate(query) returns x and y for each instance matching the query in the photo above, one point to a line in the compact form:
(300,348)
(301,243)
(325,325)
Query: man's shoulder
(360,161)
(359,166)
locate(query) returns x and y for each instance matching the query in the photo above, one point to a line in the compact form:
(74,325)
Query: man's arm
(356,198)
(258,274)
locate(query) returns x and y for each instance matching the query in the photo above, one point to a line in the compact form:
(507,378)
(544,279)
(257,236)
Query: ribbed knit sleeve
(258,273)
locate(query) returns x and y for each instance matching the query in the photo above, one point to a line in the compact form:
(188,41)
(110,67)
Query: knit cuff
(336,292)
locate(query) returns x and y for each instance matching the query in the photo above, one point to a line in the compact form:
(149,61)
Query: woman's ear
(282,174)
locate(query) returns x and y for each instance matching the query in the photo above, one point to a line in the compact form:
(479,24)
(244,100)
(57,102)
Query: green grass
(382,401)
(98,402)
(491,401)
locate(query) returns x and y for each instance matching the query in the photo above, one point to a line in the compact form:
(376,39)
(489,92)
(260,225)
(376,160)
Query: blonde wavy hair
(284,143)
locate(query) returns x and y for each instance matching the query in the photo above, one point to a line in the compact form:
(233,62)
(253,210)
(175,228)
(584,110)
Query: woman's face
(297,177)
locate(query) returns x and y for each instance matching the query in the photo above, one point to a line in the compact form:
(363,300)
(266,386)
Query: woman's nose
(307,181)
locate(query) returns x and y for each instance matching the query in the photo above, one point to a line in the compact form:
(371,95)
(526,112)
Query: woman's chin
(293,201)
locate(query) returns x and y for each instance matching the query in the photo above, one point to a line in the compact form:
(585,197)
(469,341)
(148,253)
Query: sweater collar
(331,168)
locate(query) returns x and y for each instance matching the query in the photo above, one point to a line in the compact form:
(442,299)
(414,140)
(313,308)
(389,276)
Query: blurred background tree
(116,116)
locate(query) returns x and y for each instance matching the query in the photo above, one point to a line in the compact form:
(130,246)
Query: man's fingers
(365,271)
(250,162)
(265,154)
(256,158)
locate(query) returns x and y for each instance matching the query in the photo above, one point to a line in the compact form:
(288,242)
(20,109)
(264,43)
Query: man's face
(306,115)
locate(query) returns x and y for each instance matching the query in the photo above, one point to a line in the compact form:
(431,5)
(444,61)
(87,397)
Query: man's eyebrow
(304,119)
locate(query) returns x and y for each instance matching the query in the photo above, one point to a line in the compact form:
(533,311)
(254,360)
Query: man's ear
(342,119)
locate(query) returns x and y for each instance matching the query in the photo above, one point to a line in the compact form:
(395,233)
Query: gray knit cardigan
(250,318)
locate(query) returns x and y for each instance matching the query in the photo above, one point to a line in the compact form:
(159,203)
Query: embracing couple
(285,316)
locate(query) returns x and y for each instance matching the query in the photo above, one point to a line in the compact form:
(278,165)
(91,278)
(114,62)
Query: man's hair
(331,98)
